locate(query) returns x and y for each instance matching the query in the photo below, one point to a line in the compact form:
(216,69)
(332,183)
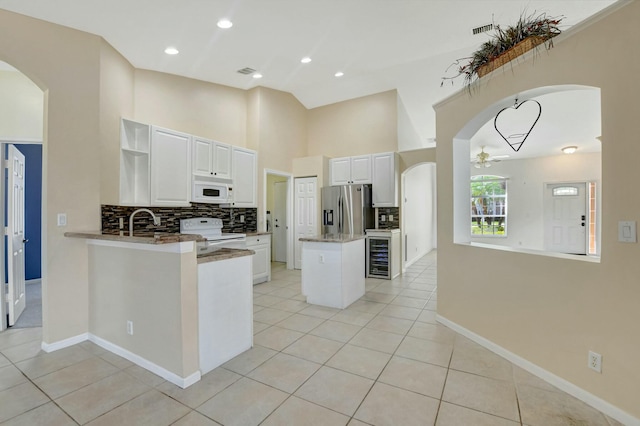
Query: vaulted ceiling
(379,45)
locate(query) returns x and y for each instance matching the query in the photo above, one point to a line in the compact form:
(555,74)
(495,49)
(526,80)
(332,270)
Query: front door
(566,219)
(16,298)
(306,213)
(280,221)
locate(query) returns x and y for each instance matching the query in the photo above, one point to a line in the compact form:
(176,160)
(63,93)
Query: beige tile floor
(382,361)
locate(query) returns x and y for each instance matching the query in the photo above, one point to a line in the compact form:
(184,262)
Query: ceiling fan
(484,160)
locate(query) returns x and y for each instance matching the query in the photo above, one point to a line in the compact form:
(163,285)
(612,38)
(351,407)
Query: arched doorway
(21,125)
(418,212)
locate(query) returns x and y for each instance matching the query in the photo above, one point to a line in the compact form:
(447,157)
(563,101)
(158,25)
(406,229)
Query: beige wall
(417,156)
(359,126)
(66,65)
(116,101)
(551,311)
(277,126)
(158,293)
(191,106)
(21,107)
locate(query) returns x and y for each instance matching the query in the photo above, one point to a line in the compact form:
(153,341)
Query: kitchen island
(333,269)
(147,297)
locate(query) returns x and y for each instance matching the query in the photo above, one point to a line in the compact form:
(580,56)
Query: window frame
(474,217)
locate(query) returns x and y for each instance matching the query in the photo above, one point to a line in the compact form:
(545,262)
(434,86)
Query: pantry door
(306,202)
(16,296)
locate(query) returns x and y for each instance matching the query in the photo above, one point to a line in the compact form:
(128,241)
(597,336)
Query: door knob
(25,241)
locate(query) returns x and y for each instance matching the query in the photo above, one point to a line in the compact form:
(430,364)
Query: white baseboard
(183,382)
(61,344)
(562,384)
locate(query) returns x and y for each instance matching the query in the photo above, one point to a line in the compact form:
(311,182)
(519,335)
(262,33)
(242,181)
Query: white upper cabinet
(384,190)
(211,158)
(135,142)
(170,167)
(245,177)
(348,170)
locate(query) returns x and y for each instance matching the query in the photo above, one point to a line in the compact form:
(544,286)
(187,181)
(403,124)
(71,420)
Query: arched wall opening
(22,108)
(528,172)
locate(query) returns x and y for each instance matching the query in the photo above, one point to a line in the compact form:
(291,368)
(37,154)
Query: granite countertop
(140,238)
(334,238)
(257,233)
(389,230)
(223,254)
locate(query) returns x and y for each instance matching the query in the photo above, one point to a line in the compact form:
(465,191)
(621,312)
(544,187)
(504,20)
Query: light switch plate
(627,231)
(62,219)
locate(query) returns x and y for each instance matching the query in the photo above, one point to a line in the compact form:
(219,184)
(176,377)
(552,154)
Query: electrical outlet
(121,222)
(322,258)
(383,218)
(390,218)
(241,218)
(595,361)
(130,328)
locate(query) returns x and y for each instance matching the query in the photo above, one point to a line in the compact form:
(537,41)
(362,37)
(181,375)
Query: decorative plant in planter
(506,45)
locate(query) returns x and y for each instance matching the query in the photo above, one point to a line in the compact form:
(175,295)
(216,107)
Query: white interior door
(16,298)
(279,218)
(566,219)
(306,203)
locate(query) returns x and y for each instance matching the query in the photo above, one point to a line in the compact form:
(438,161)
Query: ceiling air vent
(482,29)
(246,71)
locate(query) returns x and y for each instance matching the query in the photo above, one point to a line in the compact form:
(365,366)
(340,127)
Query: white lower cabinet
(225,311)
(261,244)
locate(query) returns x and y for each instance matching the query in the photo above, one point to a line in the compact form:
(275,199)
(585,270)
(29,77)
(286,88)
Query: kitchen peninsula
(155,302)
(333,269)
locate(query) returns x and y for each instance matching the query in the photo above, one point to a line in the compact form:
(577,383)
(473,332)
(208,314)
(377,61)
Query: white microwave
(212,192)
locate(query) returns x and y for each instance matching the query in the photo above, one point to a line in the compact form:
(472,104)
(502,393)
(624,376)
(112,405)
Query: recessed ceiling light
(257,75)
(339,74)
(569,149)
(171,51)
(305,60)
(224,24)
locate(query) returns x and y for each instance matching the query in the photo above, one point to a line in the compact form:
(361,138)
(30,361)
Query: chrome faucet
(156,220)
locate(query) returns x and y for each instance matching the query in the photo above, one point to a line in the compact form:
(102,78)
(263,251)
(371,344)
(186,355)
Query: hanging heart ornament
(511,121)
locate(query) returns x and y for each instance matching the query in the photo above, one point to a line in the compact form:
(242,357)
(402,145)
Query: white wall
(525,191)
(419,205)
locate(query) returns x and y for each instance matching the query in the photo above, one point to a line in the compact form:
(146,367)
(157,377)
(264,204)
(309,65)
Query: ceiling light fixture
(224,24)
(171,51)
(257,75)
(305,60)
(339,74)
(569,149)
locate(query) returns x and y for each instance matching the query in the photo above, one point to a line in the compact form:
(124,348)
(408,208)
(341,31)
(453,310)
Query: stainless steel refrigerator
(346,209)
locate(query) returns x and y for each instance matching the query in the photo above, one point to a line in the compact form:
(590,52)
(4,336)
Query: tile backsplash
(387,212)
(170,218)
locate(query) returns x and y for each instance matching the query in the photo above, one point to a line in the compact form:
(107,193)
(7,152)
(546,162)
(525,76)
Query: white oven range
(211,230)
